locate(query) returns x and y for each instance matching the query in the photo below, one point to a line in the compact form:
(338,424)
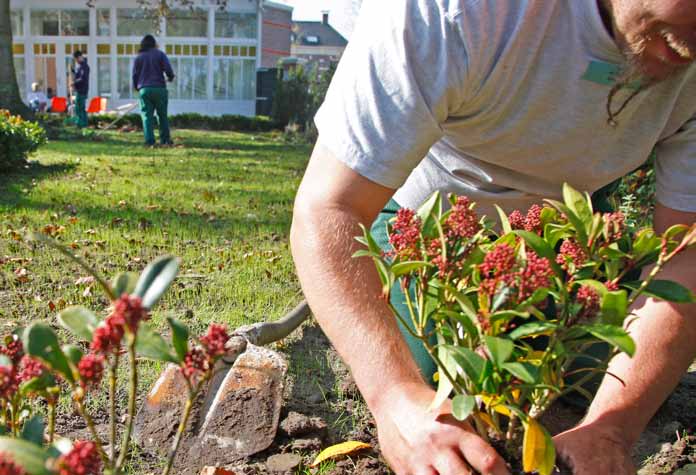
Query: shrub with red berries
(512,308)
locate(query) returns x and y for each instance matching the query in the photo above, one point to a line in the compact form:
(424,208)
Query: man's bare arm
(665,334)
(344,294)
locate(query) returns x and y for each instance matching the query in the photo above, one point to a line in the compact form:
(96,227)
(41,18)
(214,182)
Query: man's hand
(592,449)
(416,441)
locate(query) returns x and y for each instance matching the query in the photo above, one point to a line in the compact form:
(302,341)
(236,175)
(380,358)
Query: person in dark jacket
(80,86)
(149,70)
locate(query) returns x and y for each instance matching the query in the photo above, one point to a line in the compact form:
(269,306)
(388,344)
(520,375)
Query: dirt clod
(282,463)
(297,425)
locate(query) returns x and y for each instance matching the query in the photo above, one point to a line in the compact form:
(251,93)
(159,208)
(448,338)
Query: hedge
(18,138)
(239,123)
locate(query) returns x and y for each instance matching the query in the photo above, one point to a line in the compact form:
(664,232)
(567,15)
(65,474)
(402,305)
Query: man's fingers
(482,456)
(451,463)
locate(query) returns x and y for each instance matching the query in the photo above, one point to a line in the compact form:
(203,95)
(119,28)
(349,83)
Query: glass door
(46,69)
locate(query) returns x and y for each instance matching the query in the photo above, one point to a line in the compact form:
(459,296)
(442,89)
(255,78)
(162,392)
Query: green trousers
(154,99)
(420,354)
(81,110)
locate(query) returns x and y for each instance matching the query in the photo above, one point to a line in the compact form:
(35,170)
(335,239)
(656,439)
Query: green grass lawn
(221,202)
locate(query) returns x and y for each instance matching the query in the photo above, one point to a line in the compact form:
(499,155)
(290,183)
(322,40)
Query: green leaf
(504,221)
(500,349)
(33,430)
(124,283)
(149,344)
(363,253)
(156,279)
(428,213)
(532,329)
(646,242)
(402,268)
(32,458)
(444,385)
(580,204)
(40,341)
(80,321)
(670,291)
(463,406)
(614,307)
(500,297)
(372,245)
(614,335)
(469,361)
(574,220)
(541,247)
(5,360)
(73,353)
(180,336)
(37,385)
(527,372)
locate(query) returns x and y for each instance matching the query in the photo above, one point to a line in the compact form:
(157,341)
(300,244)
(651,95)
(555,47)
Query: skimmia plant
(505,313)
(34,364)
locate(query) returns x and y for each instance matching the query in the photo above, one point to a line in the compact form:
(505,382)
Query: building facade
(317,44)
(215,53)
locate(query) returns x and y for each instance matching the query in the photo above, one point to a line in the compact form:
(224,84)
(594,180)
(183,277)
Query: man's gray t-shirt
(485,98)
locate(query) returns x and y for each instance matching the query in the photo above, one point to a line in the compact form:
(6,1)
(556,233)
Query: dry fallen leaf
(340,450)
(85,280)
(215,471)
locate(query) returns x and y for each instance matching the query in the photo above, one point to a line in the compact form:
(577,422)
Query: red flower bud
(215,340)
(195,363)
(532,222)
(8,382)
(129,310)
(30,368)
(83,459)
(8,466)
(589,299)
(107,337)
(571,252)
(462,221)
(405,234)
(13,349)
(91,369)
(516,220)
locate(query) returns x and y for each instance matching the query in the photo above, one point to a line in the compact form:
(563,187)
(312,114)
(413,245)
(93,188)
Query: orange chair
(97,105)
(59,105)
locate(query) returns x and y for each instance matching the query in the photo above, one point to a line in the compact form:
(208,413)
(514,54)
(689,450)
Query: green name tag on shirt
(602,73)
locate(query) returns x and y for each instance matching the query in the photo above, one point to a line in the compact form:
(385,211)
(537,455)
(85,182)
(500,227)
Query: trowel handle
(263,333)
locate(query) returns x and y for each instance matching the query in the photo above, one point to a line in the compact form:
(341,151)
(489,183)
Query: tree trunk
(9,91)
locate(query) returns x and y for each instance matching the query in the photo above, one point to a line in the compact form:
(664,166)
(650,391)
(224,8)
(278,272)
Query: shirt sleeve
(397,81)
(136,71)
(675,169)
(167,67)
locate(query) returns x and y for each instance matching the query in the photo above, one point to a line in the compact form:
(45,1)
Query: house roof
(316,33)
(277,5)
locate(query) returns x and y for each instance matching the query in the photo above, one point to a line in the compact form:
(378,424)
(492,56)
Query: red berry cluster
(13,348)
(8,382)
(107,337)
(8,466)
(405,234)
(516,220)
(571,253)
(91,369)
(83,459)
(615,223)
(195,363)
(129,309)
(462,221)
(215,340)
(30,368)
(611,286)
(588,298)
(500,266)
(531,222)
(535,275)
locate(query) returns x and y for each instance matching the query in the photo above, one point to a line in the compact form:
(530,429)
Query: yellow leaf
(538,452)
(494,403)
(339,450)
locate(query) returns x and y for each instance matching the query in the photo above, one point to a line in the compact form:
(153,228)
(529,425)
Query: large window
(191,78)
(104,70)
(235,79)
(60,22)
(235,25)
(190,23)
(20,69)
(134,22)
(103,22)
(125,81)
(17,19)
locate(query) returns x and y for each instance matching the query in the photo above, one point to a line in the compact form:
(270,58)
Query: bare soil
(322,407)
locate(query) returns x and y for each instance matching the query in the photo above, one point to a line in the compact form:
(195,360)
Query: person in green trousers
(149,71)
(80,85)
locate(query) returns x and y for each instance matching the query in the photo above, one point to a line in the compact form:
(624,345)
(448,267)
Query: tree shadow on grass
(14,184)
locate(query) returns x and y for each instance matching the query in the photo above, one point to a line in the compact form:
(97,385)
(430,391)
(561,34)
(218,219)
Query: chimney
(325,17)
